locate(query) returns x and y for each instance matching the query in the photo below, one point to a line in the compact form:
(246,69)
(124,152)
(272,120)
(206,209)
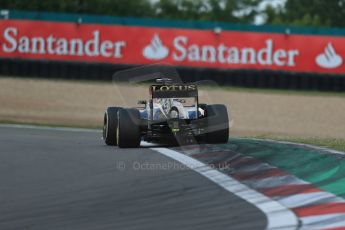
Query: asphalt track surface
(56,179)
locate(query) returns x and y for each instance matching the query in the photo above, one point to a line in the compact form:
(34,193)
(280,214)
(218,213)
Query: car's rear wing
(173,91)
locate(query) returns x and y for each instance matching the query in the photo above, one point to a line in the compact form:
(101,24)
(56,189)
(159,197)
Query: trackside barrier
(239,78)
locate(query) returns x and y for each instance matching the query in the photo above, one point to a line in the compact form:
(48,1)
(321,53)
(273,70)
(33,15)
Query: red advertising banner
(182,47)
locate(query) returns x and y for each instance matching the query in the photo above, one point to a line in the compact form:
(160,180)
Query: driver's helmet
(165,103)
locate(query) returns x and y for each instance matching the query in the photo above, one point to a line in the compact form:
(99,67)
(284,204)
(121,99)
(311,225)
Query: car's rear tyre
(128,128)
(217,124)
(109,126)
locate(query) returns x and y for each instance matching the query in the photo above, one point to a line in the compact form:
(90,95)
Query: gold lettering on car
(173,88)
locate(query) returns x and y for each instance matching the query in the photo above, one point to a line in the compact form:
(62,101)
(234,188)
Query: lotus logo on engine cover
(173,88)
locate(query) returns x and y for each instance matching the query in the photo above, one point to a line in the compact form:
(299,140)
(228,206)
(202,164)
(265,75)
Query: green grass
(332,143)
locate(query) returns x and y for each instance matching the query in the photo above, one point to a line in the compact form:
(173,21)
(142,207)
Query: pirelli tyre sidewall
(109,125)
(128,128)
(217,124)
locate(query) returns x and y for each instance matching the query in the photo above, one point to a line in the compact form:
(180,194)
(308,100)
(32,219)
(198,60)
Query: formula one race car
(171,115)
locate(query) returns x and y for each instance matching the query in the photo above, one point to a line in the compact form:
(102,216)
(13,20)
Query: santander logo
(329,59)
(183,49)
(156,49)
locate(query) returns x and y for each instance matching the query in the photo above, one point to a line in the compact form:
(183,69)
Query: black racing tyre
(109,125)
(128,128)
(217,124)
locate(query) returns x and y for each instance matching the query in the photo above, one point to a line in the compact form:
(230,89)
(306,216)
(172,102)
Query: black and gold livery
(173,91)
(165,118)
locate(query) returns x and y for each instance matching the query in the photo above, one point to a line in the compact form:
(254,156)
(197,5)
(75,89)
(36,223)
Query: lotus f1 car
(172,114)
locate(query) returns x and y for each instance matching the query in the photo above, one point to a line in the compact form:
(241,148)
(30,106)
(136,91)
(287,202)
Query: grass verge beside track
(332,143)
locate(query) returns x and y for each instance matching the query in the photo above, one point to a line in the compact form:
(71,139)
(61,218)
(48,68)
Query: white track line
(305,199)
(324,221)
(257,168)
(273,182)
(278,216)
